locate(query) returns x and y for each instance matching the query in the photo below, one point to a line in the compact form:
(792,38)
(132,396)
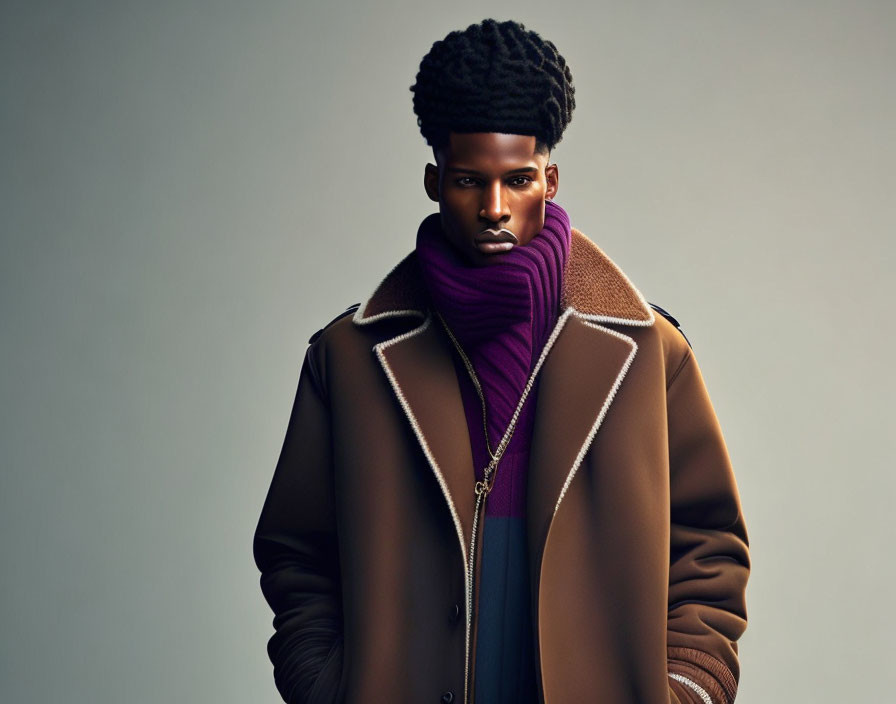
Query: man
(502,478)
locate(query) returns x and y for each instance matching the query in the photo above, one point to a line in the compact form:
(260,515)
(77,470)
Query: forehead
(489,149)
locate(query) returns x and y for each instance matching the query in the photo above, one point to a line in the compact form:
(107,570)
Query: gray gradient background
(189,190)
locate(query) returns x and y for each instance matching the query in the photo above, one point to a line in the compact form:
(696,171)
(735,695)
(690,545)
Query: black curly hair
(494,77)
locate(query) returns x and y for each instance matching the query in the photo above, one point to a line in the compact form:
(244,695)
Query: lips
(491,241)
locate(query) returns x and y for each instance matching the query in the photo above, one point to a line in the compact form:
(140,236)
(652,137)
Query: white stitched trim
(378,348)
(607,401)
(596,317)
(359,319)
(702,693)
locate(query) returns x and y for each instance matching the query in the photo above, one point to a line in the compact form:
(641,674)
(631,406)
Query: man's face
(491,189)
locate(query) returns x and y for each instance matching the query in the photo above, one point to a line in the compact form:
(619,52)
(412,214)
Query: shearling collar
(593,286)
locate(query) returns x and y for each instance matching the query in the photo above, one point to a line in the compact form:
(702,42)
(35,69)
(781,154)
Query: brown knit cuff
(708,672)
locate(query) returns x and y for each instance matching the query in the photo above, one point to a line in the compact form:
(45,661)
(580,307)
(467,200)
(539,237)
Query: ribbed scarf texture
(502,316)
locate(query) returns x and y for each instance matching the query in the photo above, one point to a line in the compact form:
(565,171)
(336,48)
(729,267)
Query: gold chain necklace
(484,486)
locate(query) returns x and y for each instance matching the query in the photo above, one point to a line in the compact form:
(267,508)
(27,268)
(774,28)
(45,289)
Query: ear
(553,181)
(431,181)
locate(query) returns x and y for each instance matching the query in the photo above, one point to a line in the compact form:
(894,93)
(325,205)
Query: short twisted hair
(494,77)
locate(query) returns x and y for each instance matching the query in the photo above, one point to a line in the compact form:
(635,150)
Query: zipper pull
(483,487)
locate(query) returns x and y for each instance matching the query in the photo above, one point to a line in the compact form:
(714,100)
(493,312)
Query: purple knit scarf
(501,314)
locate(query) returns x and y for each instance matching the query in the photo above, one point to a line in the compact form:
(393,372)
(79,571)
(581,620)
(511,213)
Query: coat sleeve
(709,556)
(295,547)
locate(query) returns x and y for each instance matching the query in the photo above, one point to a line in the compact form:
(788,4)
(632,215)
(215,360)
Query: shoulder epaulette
(668,316)
(351,309)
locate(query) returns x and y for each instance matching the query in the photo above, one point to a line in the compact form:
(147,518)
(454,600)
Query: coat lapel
(580,369)
(578,382)
(419,367)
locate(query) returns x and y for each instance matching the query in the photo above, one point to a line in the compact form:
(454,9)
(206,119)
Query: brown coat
(638,548)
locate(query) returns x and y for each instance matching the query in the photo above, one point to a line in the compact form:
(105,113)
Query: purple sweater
(501,315)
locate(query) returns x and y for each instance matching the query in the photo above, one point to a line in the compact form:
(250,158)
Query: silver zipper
(470,571)
(482,489)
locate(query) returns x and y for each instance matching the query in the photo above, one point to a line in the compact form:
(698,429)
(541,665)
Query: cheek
(533,218)
(455,221)
(459,207)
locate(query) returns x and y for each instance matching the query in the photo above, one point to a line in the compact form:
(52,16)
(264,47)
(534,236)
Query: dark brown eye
(520,180)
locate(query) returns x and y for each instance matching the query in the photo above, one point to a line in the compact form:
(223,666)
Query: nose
(494,205)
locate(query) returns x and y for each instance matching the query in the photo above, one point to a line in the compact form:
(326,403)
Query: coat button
(447,697)
(455,613)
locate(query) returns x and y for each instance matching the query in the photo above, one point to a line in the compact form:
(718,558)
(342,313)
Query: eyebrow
(521,170)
